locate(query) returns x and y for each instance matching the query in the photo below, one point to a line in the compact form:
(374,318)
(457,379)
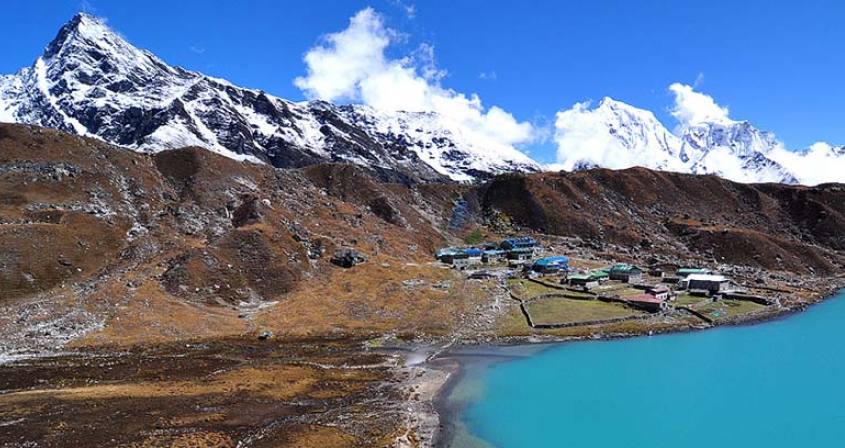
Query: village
(554,290)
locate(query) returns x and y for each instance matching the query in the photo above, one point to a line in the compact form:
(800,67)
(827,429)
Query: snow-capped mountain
(620,135)
(92,82)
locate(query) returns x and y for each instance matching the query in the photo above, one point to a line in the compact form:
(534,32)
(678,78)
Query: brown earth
(265,394)
(771,226)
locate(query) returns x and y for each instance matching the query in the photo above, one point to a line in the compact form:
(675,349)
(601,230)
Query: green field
(627,292)
(527,289)
(686,299)
(559,310)
(724,309)
(579,294)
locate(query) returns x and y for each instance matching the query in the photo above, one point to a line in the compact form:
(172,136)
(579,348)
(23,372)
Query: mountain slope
(771,226)
(92,82)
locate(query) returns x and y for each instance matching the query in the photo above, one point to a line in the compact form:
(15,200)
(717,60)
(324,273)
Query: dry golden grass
(371,298)
(280,382)
(587,264)
(308,436)
(152,316)
(200,439)
(512,323)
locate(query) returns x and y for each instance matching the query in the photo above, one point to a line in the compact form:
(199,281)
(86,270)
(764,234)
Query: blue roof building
(551,264)
(473,251)
(525,242)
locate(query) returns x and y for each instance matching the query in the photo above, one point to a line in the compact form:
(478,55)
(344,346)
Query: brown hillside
(195,244)
(765,225)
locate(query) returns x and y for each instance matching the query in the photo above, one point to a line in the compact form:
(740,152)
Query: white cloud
(614,135)
(693,107)
(87,7)
(408,8)
(699,80)
(336,68)
(820,163)
(351,65)
(488,76)
(582,135)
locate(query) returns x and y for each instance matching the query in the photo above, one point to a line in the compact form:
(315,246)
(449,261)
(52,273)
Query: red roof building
(648,302)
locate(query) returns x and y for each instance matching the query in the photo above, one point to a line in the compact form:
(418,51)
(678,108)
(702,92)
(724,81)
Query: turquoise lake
(774,384)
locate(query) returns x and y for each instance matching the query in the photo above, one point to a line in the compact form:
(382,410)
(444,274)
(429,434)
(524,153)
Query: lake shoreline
(458,357)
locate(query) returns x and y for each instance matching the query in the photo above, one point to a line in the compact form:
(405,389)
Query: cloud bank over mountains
(352,65)
(400,115)
(692,108)
(705,140)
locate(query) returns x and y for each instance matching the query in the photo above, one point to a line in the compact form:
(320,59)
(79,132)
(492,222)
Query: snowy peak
(637,129)
(436,143)
(617,135)
(86,32)
(740,136)
(88,59)
(91,81)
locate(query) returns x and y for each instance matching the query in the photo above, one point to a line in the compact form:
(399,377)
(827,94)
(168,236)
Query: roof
(559,259)
(517,239)
(579,277)
(525,240)
(623,267)
(590,276)
(521,250)
(644,298)
(707,278)
(687,271)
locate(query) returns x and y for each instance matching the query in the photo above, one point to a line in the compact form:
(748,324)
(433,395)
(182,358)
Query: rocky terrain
(275,307)
(704,218)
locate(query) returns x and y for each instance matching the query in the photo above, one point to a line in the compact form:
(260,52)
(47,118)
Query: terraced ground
(728,309)
(555,310)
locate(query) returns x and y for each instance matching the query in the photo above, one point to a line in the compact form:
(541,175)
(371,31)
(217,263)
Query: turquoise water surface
(776,384)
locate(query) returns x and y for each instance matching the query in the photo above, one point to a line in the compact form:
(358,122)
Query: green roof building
(625,272)
(686,272)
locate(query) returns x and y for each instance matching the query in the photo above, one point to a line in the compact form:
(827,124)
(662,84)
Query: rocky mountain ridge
(92,82)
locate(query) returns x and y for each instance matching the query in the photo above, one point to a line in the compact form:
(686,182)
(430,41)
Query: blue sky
(779,66)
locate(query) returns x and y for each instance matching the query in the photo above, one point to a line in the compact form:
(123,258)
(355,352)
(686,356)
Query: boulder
(347,257)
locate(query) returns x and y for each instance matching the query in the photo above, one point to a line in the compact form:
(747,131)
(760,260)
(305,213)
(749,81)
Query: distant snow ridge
(92,82)
(629,136)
